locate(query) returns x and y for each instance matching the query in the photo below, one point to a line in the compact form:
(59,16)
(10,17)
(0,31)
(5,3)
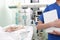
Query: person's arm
(41,25)
(56,23)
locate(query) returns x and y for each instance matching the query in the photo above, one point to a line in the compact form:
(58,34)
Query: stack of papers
(50,16)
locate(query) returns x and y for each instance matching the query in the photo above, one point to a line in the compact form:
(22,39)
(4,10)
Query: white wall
(5,17)
(2,13)
(47,1)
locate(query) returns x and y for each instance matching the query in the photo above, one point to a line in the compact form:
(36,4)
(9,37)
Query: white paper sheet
(50,16)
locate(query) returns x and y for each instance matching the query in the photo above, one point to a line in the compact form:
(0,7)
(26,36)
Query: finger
(58,19)
(57,33)
(52,32)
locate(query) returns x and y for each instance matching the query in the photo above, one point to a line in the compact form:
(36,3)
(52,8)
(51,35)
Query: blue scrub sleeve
(46,9)
(41,18)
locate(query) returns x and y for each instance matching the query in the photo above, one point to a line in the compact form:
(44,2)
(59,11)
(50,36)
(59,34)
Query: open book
(50,16)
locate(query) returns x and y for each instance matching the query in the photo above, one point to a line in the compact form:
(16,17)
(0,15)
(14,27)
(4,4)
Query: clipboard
(50,16)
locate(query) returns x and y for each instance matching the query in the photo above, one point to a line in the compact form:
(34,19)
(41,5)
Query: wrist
(52,24)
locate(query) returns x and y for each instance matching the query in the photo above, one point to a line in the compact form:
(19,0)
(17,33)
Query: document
(50,16)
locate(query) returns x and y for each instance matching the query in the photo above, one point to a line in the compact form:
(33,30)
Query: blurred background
(9,8)
(23,12)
